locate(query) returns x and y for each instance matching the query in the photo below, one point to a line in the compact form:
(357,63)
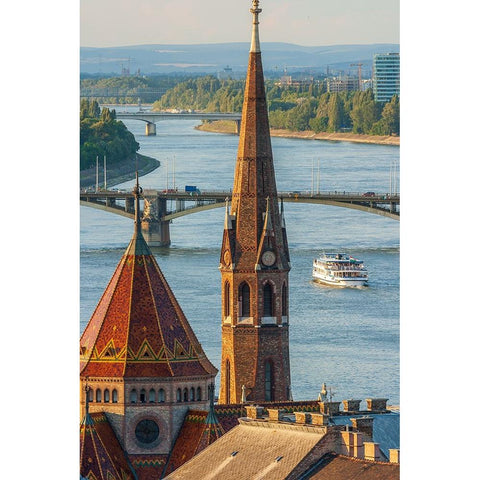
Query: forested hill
(211,58)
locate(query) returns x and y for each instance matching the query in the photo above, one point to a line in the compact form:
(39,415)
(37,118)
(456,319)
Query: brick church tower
(254,260)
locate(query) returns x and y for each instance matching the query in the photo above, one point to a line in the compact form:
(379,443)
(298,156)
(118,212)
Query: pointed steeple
(138,328)
(254,260)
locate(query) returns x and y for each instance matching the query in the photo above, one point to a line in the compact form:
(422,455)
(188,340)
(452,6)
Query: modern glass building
(386,76)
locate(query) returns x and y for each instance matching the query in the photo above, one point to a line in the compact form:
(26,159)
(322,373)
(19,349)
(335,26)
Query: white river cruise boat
(340,269)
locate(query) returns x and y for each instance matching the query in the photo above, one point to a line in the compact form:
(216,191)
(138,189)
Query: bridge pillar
(155,230)
(150,129)
(129,205)
(237,126)
(156,233)
(110,202)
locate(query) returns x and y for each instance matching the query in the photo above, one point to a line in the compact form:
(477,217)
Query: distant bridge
(156,217)
(152,117)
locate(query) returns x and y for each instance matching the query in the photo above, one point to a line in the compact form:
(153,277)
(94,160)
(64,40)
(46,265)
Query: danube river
(347,338)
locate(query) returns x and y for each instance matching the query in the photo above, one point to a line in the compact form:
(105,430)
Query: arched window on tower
(90,394)
(227,381)
(98,395)
(268,300)
(284,300)
(133,396)
(226,299)
(106,395)
(161,395)
(179,394)
(185,394)
(143,395)
(244,300)
(151,396)
(192,394)
(199,393)
(269,381)
(114,396)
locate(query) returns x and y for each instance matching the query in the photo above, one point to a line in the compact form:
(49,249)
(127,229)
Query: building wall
(386,77)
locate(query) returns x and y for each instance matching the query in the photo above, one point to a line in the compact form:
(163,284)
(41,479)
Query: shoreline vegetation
(223,126)
(119,173)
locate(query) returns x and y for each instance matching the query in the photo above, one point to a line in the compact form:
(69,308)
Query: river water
(347,338)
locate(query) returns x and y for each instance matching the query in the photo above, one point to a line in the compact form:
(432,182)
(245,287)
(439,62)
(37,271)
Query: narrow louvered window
(284,300)
(151,396)
(245,300)
(268,381)
(226,299)
(133,396)
(161,395)
(267,300)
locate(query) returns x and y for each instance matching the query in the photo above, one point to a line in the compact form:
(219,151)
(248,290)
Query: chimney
(351,406)
(352,444)
(254,411)
(319,419)
(302,417)
(377,404)
(364,425)
(372,451)
(329,408)
(275,414)
(394,455)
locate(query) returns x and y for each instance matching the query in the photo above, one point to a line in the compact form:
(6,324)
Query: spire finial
(255,45)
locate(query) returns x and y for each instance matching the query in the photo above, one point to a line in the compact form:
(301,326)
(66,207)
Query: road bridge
(156,217)
(150,118)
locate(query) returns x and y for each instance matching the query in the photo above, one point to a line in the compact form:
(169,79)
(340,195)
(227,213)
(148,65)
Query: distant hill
(212,58)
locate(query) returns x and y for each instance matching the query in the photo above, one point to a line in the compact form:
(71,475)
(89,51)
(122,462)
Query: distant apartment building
(386,76)
(342,84)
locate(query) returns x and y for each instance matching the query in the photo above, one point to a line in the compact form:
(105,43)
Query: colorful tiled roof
(138,328)
(199,430)
(101,456)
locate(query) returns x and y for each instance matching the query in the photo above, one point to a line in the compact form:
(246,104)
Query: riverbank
(223,126)
(121,172)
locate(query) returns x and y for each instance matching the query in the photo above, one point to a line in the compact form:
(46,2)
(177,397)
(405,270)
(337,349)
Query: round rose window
(147,431)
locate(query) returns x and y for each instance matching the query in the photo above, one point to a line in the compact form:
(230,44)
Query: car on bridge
(368,194)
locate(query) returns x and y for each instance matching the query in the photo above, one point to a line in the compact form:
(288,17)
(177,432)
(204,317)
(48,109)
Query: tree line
(296,108)
(101,134)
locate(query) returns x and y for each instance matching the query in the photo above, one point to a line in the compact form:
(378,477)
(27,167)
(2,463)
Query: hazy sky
(303,22)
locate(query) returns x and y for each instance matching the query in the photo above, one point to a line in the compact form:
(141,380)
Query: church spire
(254,261)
